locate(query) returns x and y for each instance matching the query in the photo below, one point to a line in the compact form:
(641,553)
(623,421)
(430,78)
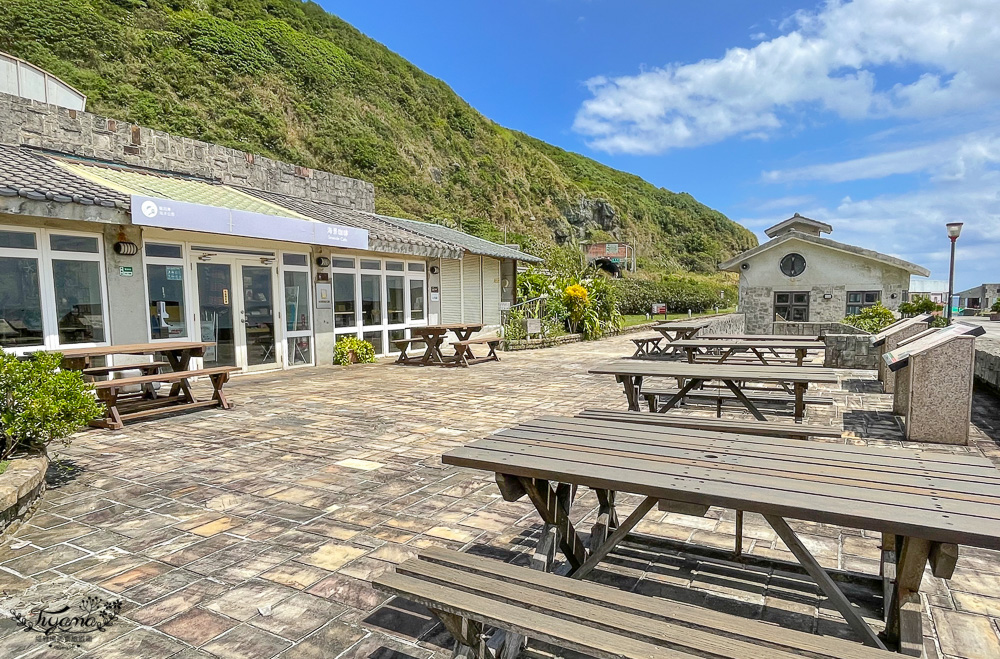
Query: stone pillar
(892,341)
(940,396)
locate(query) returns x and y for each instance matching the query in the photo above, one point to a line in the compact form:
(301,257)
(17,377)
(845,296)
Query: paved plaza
(255,532)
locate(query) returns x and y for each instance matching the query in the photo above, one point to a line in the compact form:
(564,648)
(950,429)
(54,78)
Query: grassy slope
(289,80)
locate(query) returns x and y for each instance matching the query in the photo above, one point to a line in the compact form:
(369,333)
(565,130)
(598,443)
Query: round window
(793,265)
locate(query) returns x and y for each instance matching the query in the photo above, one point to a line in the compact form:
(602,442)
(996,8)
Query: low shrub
(679,292)
(41,404)
(872,319)
(363,351)
(918,305)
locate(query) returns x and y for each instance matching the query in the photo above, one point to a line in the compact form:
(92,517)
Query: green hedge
(678,292)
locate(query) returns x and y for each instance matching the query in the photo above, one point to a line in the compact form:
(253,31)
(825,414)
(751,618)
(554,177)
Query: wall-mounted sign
(435,289)
(169,214)
(324,295)
(435,296)
(175,273)
(504,306)
(125,271)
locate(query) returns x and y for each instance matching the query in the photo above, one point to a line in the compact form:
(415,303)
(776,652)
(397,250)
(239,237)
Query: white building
(801,276)
(112,233)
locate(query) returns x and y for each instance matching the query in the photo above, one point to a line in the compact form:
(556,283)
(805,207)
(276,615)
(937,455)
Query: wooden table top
(940,497)
(696,342)
(134,348)
(682,325)
(759,337)
(710,371)
(474,327)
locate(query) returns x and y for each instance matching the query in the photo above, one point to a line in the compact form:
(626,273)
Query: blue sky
(878,116)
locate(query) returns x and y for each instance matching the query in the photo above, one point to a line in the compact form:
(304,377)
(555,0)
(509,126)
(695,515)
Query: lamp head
(954,229)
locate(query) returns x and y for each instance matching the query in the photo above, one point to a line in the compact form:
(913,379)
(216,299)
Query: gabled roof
(799,223)
(912,268)
(468,242)
(30,175)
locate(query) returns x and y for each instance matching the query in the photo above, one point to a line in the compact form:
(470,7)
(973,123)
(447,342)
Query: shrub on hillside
(678,292)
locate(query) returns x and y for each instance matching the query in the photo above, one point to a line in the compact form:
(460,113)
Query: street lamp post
(954,230)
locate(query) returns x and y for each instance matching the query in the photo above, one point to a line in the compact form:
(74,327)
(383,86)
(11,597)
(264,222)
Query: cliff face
(288,80)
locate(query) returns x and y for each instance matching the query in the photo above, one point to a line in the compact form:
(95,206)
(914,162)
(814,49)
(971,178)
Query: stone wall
(729,323)
(30,123)
(987,368)
(813,329)
(850,351)
(20,486)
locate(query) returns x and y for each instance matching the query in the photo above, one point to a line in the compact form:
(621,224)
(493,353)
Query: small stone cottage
(801,276)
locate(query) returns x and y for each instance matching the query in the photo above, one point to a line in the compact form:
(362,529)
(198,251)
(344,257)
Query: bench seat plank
(141,366)
(770,428)
(169,376)
(725,394)
(686,618)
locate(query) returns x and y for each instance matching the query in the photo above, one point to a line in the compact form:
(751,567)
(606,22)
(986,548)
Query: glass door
(257,316)
(216,312)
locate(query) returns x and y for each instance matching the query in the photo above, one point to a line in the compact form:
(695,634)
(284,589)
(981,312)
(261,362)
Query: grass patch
(3,465)
(638,319)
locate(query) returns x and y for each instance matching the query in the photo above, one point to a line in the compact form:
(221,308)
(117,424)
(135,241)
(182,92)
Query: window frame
(862,305)
(184,262)
(45,255)
(791,305)
(297,334)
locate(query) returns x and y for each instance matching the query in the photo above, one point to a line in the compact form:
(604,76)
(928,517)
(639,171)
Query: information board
(879,339)
(898,358)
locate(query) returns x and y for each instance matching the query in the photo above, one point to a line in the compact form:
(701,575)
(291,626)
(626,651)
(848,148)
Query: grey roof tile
(24,173)
(468,242)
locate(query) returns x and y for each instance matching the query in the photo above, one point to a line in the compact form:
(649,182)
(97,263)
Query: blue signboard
(169,214)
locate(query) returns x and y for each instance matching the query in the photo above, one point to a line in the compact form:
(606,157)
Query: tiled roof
(382,236)
(175,187)
(28,174)
(468,242)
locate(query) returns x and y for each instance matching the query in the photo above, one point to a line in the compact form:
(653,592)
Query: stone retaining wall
(727,323)
(20,486)
(850,351)
(987,368)
(813,329)
(30,123)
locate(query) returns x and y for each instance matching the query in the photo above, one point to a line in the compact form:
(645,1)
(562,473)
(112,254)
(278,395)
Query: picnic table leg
(740,396)
(800,403)
(823,580)
(904,622)
(218,381)
(607,518)
(469,641)
(597,554)
(726,355)
(800,356)
(112,418)
(679,396)
(739,533)
(553,507)
(763,360)
(632,384)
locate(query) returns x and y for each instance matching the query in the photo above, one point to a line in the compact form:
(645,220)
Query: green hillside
(286,79)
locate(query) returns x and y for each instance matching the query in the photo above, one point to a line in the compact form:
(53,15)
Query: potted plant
(995,311)
(352,350)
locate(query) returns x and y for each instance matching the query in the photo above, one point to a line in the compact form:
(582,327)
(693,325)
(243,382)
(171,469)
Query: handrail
(543,296)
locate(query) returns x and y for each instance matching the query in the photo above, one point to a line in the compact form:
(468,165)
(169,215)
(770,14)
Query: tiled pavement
(254,532)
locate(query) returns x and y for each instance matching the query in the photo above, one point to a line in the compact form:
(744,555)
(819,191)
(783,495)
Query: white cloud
(832,59)
(947,159)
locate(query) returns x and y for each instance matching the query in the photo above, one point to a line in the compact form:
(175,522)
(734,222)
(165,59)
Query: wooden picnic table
(433,337)
(762,337)
(631,372)
(722,350)
(678,330)
(121,404)
(924,503)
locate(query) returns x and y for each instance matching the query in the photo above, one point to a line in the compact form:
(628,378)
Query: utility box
(888,340)
(933,392)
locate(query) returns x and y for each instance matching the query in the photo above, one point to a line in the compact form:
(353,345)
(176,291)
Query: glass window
(342,263)
(164,251)
(62,243)
(374,338)
(343,300)
(858,300)
(416,299)
(394,266)
(79,305)
(17,240)
(167,319)
(297,301)
(415,267)
(299,350)
(20,302)
(394,300)
(371,299)
(791,306)
(295,259)
(370,265)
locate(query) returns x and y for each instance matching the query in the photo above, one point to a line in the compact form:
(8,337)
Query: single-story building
(980,298)
(115,233)
(801,276)
(935,289)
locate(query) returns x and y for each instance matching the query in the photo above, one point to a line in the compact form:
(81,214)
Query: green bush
(872,319)
(996,307)
(918,305)
(364,352)
(41,404)
(678,292)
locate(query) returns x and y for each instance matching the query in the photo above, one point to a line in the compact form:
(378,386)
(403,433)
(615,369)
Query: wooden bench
(180,397)
(647,347)
(463,353)
(771,397)
(469,594)
(766,428)
(146,367)
(404,345)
